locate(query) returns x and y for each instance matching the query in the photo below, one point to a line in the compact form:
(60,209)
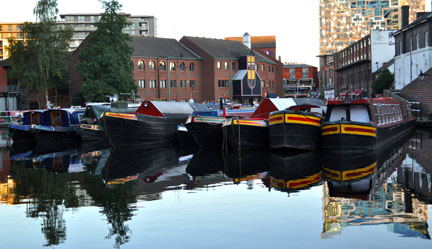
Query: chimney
(247,40)
(405,16)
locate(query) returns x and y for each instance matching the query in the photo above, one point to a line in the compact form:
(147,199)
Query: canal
(96,197)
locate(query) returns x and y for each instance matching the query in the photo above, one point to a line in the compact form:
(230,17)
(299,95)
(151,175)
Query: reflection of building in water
(389,205)
(388,202)
(7,191)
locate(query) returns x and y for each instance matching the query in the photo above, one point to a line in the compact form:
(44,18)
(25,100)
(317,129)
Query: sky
(295,23)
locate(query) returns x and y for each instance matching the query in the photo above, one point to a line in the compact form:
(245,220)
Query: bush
(78,99)
(384,81)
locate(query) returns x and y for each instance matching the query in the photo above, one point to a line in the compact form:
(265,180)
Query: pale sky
(295,23)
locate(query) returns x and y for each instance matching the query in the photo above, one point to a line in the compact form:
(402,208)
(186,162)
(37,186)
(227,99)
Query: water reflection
(392,186)
(363,190)
(294,172)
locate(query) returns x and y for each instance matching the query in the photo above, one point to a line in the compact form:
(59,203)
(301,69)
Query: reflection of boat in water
(296,171)
(362,189)
(126,163)
(61,162)
(347,175)
(244,165)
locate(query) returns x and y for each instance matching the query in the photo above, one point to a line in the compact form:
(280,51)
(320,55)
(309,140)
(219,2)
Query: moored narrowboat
(205,127)
(154,123)
(90,128)
(353,126)
(20,133)
(298,127)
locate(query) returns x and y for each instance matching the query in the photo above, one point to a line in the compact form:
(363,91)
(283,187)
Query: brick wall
(3,77)
(420,90)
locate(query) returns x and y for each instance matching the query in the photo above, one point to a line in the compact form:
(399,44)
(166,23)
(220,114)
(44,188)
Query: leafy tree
(39,63)
(105,64)
(384,81)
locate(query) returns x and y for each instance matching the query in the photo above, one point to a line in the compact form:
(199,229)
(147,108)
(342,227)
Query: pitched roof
(159,47)
(219,48)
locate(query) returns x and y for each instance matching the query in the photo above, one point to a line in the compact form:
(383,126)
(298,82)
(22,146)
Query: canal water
(93,197)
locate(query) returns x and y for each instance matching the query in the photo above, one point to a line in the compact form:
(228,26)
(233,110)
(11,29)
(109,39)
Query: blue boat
(54,125)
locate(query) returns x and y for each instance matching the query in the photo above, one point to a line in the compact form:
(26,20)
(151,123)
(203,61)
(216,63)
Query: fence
(416,109)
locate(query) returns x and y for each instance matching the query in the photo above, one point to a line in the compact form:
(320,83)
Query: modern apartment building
(299,80)
(83,24)
(8,30)
(343,22)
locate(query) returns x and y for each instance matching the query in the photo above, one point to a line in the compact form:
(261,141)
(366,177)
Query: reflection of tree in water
(47,195)
(115,201)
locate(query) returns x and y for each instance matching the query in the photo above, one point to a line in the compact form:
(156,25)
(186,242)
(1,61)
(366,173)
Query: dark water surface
(93,197)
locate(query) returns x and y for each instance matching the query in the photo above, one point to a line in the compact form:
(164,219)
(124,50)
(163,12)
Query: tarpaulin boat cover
(308,101)
(278,104)
(179,107)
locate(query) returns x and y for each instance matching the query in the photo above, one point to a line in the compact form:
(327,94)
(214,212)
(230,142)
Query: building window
(152,65)
(223,83)
(172,66)
(173,83)
(226,65)
(305,72)
(418,41)
(233,66)
(162,83)
(182,66)
(218,65)
(141,83)
(426,39)
(292,73)
(411,43)
(182,83)
(152,83)
(141,65)
(262,67)
(192,67)
(162,66)
(192,83)
(264,83)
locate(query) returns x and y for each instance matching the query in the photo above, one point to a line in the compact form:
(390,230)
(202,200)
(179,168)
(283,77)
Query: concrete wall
(409,65)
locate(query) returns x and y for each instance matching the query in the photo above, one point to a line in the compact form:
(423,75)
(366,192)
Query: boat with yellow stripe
(353,126)
(298,127)
(295,171)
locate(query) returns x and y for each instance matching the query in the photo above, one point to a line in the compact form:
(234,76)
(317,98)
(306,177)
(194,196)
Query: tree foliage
(384,81)
(39,63)
(105,64)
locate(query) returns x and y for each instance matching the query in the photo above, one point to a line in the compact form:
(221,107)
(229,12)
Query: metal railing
(416,109)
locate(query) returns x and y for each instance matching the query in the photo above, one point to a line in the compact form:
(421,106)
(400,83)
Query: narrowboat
(21,133)
(90,128)
(154,123)
(298,127)
(294,171)
(206,127)
(58,126)
(355,126)
(253,132)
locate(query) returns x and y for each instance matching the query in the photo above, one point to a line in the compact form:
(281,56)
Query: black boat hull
(126,130)
(294,130)
(246,134)
(89,134)
(206,131)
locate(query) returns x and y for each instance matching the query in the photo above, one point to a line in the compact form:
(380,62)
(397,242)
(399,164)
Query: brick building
(326,78)
(201,69)
(221,62)
(299,80)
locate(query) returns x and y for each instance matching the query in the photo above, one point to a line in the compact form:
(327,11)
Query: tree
(384,81)
(105,64)
(39,63)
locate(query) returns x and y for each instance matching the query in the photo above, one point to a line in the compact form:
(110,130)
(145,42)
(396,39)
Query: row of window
(163,84)
(411,44)
(162,66)
(233,66)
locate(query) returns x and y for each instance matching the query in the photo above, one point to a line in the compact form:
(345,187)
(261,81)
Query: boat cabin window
(356,113)
(359,113)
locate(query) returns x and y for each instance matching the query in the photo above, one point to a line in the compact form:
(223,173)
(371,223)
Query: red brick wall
(3,77)
(420,90)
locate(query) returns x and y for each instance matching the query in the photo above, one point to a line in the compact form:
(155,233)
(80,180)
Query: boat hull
(346,137)
(92,133)
(206,131)
(294,130)
(126,130)
(246,134)
(21,133)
